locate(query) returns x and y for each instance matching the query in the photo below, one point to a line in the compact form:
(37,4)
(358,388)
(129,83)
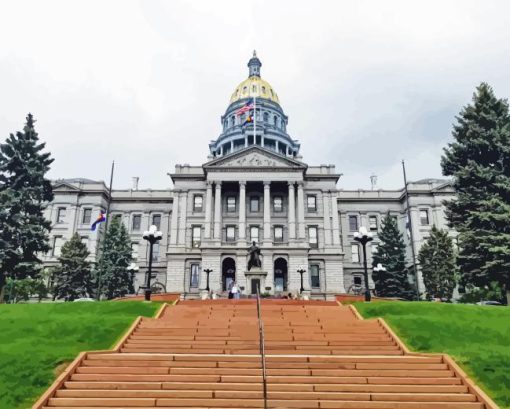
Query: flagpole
(109,198)
(411,231)
(255,121)
(105,227)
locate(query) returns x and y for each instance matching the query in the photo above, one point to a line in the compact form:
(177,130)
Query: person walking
(235,291)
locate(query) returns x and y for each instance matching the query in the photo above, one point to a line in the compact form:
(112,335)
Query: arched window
(275,120)
(266,117)
(263,90)
(245,89)
(253,88)
(232,120)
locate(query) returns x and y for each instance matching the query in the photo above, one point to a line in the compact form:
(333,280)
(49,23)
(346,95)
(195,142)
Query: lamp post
(207,271)
(363,237)
(132,270)
(301,271)
(152,236)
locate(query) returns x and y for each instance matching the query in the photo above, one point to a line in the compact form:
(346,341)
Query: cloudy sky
(364,83)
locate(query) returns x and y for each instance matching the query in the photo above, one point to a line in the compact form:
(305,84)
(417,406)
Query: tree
(24,194)
(391,254)
(479,162)
(437,262)
(73,278)
(113,277)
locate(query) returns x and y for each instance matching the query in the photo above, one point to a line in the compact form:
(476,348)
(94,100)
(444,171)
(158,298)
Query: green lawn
(36,338)
(478,337)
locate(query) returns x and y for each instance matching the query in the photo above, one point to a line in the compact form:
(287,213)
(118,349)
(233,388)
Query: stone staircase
(205,354)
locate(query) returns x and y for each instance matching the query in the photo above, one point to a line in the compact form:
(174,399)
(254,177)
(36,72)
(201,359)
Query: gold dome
(254,86)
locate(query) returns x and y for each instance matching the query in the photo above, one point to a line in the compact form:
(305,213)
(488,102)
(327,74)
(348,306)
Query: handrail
(262,349)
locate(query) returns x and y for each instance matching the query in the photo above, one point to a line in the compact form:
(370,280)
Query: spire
(254,65)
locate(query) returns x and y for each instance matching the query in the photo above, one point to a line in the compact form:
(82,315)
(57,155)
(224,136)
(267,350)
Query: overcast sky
(364,83)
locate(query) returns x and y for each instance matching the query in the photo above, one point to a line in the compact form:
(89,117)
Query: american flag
(245,108)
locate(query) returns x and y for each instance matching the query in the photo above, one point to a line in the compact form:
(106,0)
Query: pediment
(254,157)
(445,187)
(65,187)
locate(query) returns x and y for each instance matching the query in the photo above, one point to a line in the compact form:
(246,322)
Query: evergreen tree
(24,194)
(113,277)
(391,254)
(73,278)
(437,261)
(479,161)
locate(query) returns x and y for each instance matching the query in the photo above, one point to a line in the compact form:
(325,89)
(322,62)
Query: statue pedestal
(256,277)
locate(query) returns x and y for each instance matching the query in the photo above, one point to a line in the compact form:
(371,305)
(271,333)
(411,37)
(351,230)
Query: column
(246,141)
(336,226)
(327,220)
(231,146)
(292,212)
(173,221)
(301,211)
(182,219)
(208,210)
(267,211)
(242,210)
(217,211)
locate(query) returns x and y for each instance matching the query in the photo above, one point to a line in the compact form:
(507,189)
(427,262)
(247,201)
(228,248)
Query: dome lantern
(254,66)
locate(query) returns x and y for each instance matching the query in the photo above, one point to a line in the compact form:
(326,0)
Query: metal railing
(262,349)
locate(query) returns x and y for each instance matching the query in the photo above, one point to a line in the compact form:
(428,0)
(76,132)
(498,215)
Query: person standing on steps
(235,291)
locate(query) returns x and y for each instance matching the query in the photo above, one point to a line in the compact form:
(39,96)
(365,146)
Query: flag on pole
(101,218)
(248,120)
(245,108)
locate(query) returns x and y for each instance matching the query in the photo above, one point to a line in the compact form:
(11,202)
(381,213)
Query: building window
(355,253)
(155,252)
(424,217)
(278,204)
(275,120)
(266,117)
(254,204)
(278,234)
(58,242)
(198,203)
(61,214)
(196,235)
(231,233)
(87,215)
(311,203)
(254,234)
(353,223)
(372,223)
(315,280)
(263,89)
(156,221)
(137,222)
(312,237)
(357,280)
(134,251)
(118,217)
(231,204)
(194,275)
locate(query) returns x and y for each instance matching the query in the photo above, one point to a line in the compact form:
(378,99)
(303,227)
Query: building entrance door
(280,275)
(255,283)
(228,275)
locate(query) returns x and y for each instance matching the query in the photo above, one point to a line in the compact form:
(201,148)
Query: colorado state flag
(100,219)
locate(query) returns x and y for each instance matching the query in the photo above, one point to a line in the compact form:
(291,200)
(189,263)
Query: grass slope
(478,337)
(36,338)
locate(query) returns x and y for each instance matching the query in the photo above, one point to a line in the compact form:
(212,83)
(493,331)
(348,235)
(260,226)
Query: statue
(254,260)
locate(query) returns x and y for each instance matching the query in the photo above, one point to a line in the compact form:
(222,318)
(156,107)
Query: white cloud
(364,83)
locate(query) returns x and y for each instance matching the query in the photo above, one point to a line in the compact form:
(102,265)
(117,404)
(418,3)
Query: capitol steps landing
(205,354)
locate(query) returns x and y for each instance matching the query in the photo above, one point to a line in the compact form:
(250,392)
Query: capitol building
(255,186)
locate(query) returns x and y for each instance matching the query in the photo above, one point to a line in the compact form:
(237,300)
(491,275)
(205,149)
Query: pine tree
(479,161)
(24,194)
(73,278)
(437,262)
(113,277)
(391,255)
